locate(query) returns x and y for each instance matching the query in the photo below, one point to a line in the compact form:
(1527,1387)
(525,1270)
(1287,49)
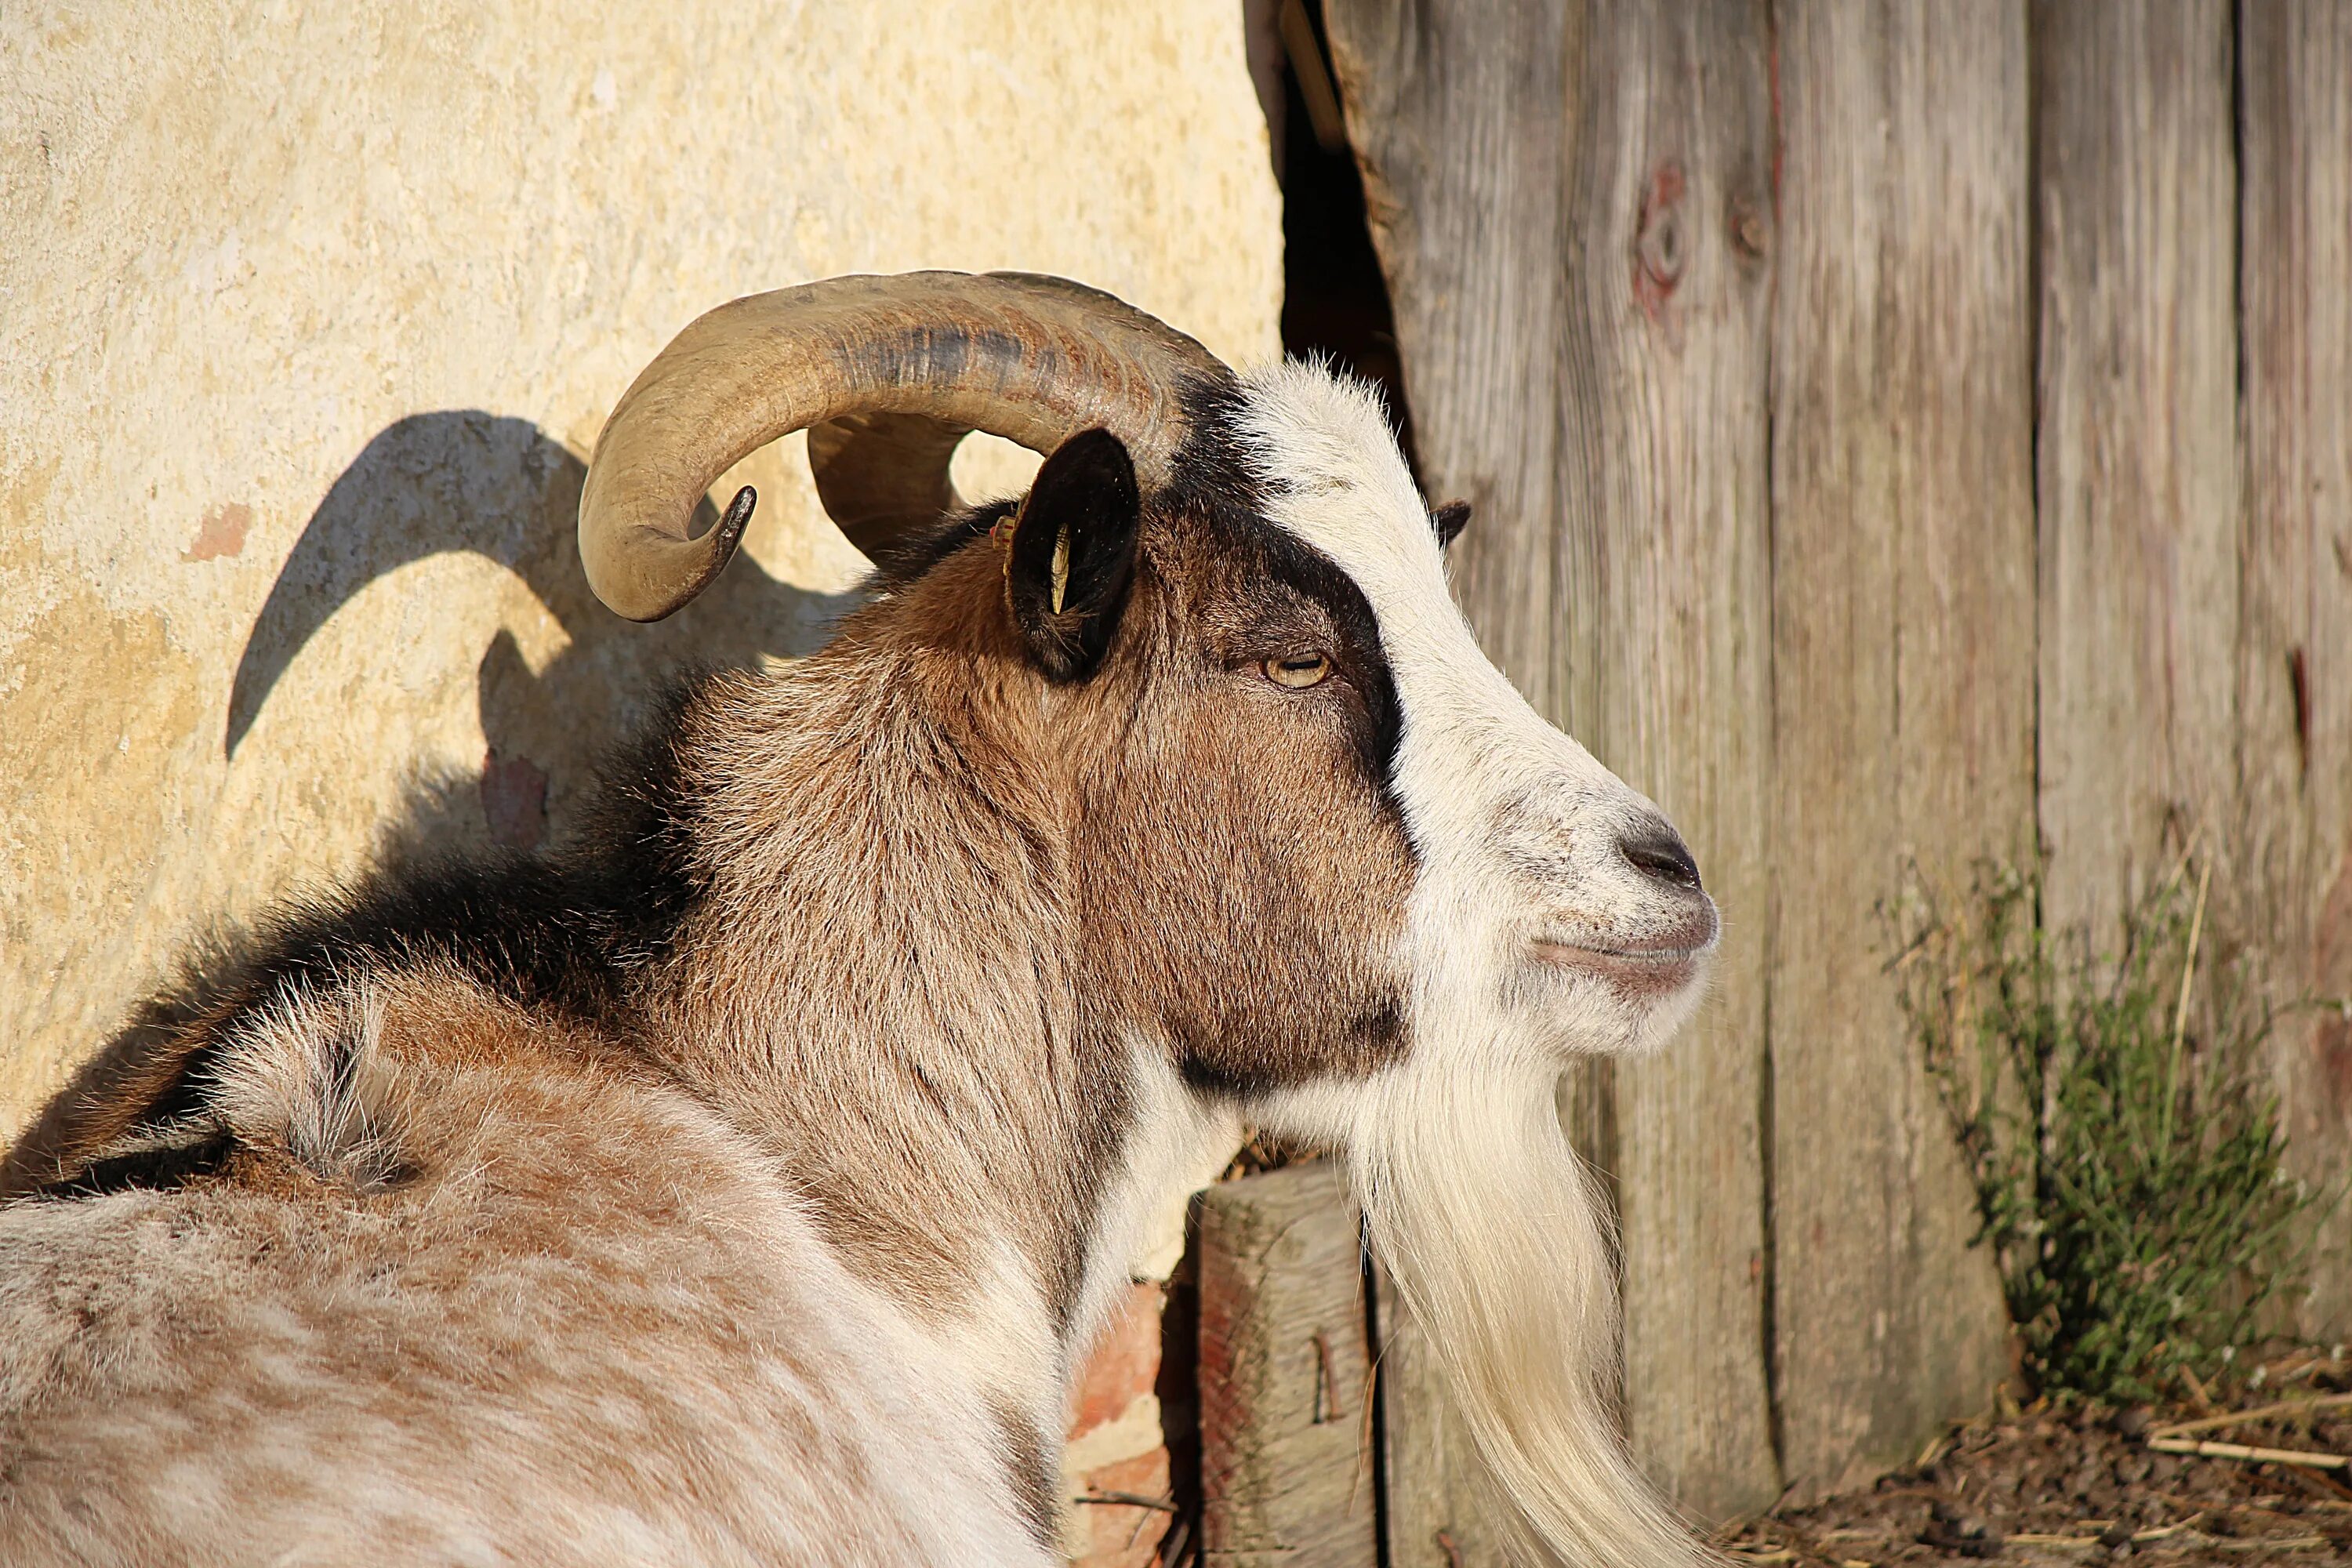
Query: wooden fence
(1900,433)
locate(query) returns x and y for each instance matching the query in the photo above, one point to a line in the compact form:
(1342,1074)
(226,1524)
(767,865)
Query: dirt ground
(2047,1487)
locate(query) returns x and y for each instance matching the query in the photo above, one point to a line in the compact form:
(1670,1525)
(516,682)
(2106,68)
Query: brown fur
(1091,894)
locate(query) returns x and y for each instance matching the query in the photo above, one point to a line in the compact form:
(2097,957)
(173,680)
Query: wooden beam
(1460,117)
(1286,1474)
(1663,598)
(1903,686)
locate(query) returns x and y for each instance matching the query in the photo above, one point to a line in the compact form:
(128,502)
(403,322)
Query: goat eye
(1300,671)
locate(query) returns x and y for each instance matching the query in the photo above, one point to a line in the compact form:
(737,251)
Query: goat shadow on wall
(464,481)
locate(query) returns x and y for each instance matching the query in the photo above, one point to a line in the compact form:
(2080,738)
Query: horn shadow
(465,480)
(454,480)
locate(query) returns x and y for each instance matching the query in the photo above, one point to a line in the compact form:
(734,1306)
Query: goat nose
(1655,851)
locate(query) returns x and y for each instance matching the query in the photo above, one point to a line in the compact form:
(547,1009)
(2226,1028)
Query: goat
(744,1184)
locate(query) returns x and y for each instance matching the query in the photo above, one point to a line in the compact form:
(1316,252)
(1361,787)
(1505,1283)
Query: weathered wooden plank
(1572,203)
(1285,1425)
(1460,116)
(2138,477)
(1663,586)
(1903,559)
(2295,666)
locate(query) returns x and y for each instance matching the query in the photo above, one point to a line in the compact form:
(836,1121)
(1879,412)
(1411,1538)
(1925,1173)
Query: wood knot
(1748,231)
(1659,251)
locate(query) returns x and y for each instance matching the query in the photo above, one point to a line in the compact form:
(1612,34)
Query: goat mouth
(1640,956)
(1641,972)
(1648,966)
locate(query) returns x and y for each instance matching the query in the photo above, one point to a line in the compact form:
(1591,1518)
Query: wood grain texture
(2138,485)
(2029,574)
(1571,203)
(1460,115)
(1286,1422)
(2294,665)
(1903,686)
(1661,587)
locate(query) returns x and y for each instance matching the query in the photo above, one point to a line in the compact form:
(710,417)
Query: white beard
(1490,1225)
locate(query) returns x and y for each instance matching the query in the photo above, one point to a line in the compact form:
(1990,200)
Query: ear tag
(999,534)
(1061,567)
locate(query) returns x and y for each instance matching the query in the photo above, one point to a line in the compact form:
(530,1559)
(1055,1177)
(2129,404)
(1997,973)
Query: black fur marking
(569,934)
(1377,1036)
(1206,1077)
(1211,480)
(164,1168)
(908,558)
(1033,1472)
(1359,654)
(1208,468)
(1102,1135)
(1384,1026)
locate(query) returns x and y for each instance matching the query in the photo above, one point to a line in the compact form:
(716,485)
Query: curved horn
(893,371)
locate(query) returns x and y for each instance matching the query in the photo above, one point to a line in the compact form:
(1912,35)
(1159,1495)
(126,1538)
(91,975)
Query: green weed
(2127,1167)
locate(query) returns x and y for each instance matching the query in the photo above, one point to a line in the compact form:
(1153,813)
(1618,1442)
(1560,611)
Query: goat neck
(912,1032)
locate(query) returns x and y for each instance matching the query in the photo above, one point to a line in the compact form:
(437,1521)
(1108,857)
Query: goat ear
(1074,552)
(1449,519)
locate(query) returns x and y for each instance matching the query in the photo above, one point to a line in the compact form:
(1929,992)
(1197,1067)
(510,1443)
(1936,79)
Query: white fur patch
(1517,826)
(611,1338)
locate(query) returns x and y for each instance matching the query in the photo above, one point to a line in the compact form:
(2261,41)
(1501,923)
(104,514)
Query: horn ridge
(887,374)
